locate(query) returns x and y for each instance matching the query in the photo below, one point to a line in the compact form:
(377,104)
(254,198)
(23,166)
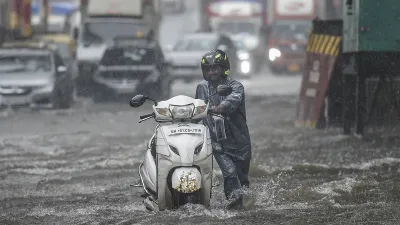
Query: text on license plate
(185,131)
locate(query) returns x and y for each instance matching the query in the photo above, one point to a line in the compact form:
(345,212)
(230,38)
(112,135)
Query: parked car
(185,55)
(34,74)
(246,62)
(132,66)
(67,48)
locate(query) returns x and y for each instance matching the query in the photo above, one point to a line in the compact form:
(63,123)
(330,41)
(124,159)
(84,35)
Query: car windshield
(291,30)
(11,61)
(237,27)
(107,31)
(193,44)
(239,43)
(124,56)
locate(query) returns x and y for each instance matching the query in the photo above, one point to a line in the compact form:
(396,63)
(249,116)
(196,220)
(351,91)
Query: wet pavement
(76,166)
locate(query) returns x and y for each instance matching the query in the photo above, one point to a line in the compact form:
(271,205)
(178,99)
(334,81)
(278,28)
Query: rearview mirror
(224,90)
(137,101)
(61,69)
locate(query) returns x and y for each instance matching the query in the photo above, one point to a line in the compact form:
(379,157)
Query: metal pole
(204,26)
(45,6)
(361,98)
(27,24)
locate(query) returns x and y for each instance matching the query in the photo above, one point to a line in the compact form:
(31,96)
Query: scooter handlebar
(147,115)
(212,112)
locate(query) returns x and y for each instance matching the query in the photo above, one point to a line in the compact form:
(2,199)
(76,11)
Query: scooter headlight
(163,111)
(199,110)
(182,111)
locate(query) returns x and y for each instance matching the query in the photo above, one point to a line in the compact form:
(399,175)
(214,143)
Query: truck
(98,23)
(289,24)
(58,12)
(240,19)
(237,11)
(15,20)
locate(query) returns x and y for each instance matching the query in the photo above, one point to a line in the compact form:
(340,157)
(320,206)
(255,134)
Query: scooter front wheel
(180,199)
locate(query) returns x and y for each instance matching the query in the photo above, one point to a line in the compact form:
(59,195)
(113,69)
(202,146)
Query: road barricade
(324,47)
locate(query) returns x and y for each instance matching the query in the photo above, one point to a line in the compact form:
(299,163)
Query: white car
(176,6)
(185,56)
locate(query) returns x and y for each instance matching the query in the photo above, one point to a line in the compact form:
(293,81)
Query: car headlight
(182,111)
(245,67)
(244,56)
(274,53)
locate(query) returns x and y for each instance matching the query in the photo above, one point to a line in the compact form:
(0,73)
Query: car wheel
(60,101)
(98,97)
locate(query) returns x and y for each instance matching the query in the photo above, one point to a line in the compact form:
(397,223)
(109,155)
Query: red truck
(289,24)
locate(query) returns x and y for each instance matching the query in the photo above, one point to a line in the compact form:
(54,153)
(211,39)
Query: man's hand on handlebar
(212,111)
(219,109)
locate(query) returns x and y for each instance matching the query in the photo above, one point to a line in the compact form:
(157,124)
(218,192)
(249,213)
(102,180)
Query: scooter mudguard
(186,179)
(148,173)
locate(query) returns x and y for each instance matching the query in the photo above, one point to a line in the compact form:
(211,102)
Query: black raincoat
(232,149)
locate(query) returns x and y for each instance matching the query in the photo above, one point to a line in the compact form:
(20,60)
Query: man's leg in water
(228,169)
(242,168)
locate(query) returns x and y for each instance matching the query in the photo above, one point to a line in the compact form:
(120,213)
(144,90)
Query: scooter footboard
(186,179)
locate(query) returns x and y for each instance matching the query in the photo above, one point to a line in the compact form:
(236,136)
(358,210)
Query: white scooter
(178,164)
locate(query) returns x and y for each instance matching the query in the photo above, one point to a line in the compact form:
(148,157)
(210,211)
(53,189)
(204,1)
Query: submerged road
(75,166)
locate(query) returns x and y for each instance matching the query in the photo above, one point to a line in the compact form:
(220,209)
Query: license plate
(294,68)
(185,131)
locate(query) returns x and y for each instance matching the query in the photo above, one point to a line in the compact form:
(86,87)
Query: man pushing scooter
(229,133)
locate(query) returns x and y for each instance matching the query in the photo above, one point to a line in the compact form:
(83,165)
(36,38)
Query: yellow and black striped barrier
(323,49)
(324,44)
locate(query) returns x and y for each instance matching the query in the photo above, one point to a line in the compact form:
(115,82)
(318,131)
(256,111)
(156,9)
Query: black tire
(61,101)
(180,199)
(98,97)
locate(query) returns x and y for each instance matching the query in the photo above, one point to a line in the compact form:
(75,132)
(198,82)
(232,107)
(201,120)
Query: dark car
(132,66)
(34,74)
